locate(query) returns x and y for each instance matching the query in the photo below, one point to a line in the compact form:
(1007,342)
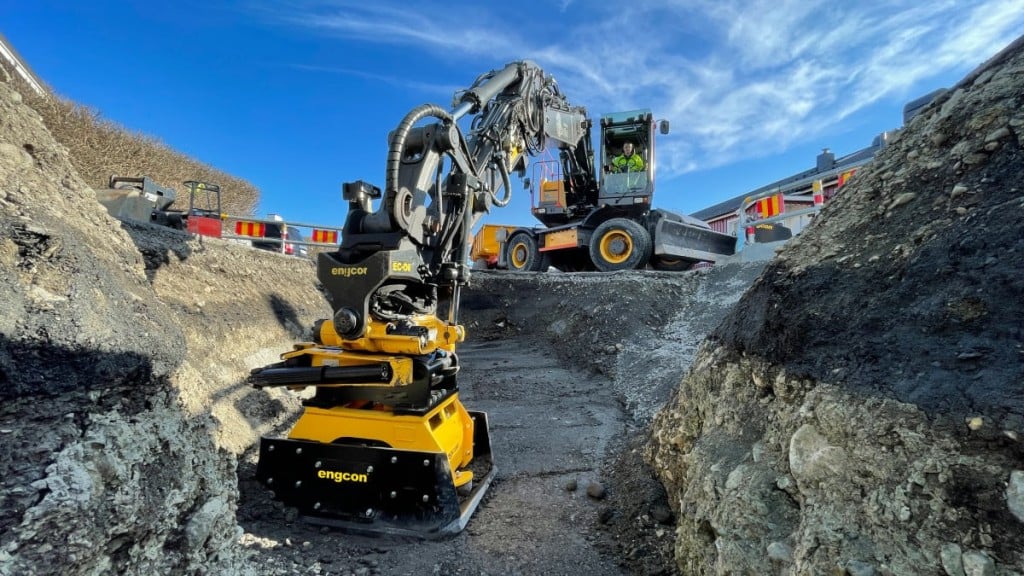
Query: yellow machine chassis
(447,429)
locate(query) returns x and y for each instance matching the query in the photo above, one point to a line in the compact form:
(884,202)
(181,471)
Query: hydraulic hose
(506,182)
(397,143)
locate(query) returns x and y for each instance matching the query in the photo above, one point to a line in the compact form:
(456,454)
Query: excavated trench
(569,369)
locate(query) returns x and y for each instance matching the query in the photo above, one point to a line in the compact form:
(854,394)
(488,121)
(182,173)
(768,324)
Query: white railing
(20,68)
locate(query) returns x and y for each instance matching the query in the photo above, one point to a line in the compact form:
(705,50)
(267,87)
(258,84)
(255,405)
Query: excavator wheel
(522,254)
(620,244)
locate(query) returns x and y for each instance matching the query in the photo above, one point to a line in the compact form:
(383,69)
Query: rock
(291,514)
(859,568)
(902,199)
(757,451)
(571,485)
(596,491)
(780,552)
(977,563)
(952,560)
(8,253)
(812,458)
(662,514)
(14,158)
(1015,494)
(736,477)
(998,134)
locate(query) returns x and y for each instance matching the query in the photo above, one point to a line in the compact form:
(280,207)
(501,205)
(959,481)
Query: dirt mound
(121,353)
(861,408)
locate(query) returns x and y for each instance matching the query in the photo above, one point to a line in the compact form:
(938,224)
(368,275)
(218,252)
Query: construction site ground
(569,385)
(853,406)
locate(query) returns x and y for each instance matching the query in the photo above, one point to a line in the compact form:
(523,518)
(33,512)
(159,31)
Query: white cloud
(439,90)
(381,23)
(738,78)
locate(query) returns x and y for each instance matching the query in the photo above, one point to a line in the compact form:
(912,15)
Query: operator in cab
(627,161)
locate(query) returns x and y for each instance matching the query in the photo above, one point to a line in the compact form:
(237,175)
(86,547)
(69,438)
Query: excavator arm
(385,445)
(439,181)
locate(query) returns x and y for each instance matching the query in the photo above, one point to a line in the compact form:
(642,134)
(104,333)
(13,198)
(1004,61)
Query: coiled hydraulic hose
(399,136)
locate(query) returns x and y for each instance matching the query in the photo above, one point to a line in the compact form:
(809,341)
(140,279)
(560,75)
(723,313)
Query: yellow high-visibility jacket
(623,164)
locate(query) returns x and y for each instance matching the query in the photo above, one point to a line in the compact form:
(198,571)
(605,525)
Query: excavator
(384,445)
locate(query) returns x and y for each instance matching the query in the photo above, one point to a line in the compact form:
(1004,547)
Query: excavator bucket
(366,487)
(682,237)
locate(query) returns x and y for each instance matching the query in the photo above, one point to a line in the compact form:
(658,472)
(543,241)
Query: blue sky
(298,97)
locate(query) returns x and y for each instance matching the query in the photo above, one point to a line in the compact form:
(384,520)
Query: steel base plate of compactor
(376,490)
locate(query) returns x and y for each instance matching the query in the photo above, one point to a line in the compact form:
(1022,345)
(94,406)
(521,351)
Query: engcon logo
(347,271)
(343,476)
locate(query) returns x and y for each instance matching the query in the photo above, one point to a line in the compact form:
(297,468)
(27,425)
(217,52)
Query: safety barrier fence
(285,235)
(771,210)
(771,203)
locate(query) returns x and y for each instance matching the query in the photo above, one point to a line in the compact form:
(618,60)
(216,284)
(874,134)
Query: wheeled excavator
(597,218)
(384,445)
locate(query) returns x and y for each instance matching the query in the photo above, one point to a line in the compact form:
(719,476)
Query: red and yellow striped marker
(844,177)
(325,236)
(771,206)
(255,229)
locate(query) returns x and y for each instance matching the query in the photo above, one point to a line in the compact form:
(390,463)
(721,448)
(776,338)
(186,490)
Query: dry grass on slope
(100,148)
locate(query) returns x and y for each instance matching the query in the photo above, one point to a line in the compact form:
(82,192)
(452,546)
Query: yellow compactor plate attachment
(366,489)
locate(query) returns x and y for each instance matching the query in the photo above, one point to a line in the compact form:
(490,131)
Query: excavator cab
(628,190)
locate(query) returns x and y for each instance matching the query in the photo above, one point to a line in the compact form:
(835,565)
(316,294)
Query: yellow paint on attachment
(438,334)
(447,429)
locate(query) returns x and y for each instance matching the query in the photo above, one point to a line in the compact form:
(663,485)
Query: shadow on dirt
(38,370)
(158,245)
(46,395)
(288,317)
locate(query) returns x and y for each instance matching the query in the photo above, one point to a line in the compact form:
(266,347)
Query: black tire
(670,263)
(620,244)
(522,255)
